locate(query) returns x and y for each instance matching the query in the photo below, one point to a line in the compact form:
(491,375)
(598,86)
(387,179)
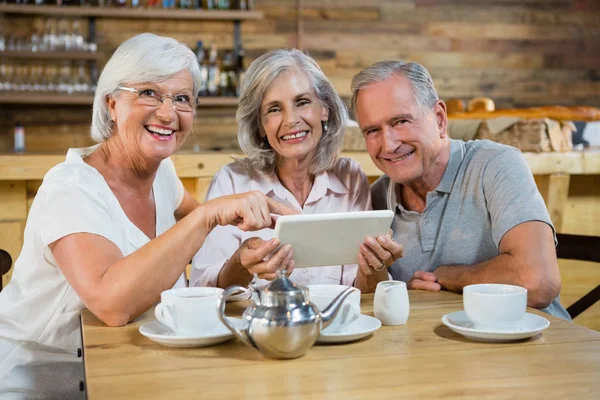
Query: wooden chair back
(583,248)
(5,264)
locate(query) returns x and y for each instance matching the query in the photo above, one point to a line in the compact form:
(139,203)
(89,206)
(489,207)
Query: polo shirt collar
(457,153)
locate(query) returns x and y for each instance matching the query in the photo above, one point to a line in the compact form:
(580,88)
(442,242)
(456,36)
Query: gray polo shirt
(486,190)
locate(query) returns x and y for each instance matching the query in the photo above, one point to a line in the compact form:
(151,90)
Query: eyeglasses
(151,98)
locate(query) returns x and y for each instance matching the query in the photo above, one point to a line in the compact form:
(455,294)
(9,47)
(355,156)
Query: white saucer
(362,327)
(159,333)
(529,326)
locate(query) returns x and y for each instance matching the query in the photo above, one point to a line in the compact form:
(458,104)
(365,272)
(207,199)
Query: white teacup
(492,306)
(190,311)
(322,296)
(391,305)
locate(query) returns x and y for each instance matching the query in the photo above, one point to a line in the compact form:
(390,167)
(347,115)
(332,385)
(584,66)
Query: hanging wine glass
(52,78)
(4,76)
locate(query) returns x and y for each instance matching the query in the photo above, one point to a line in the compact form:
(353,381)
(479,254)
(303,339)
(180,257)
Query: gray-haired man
(466,212)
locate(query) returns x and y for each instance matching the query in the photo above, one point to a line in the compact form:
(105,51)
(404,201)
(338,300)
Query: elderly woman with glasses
(291,125)
(112,227)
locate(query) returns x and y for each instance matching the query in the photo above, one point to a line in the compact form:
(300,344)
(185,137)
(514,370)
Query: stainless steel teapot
(281,322)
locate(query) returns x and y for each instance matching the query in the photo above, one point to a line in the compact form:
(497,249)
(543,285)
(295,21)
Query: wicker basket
(525,134)
(354,140)
(532,135)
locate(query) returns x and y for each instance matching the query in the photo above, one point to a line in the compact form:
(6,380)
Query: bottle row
(64,78)
(184,4)
(221,75)
(48,35)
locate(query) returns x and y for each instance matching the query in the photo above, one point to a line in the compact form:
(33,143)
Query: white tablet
(330,239)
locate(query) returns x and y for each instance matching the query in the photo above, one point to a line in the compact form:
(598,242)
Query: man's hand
(424,281)
(376,255)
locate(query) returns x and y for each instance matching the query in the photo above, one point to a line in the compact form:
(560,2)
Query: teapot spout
(332,310)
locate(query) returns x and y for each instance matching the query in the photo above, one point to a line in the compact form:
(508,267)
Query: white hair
(419,77)
(140,59)
(261,73)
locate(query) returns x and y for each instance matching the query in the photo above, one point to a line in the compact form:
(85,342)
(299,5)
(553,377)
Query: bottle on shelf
(185,4)
(19,138)
(211,4)
(203,63)
(213,71)
(228,78)
(240,70)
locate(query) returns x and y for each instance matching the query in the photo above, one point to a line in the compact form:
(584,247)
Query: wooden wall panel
(519,52)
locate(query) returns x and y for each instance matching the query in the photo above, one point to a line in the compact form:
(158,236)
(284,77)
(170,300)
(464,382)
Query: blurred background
(519,53)
(522,72)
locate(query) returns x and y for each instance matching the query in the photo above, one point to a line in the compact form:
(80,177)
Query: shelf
(127,12)
(51,55)
(218,101)
(88,99)
(46,98)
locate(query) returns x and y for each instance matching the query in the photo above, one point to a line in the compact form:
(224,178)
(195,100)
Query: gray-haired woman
(112,226)
(291,126)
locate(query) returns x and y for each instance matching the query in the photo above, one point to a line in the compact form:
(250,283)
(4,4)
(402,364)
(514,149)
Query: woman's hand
(376,254)
(248,211)
(264,258)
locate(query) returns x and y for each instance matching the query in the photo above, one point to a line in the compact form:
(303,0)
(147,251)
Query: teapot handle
(221,302)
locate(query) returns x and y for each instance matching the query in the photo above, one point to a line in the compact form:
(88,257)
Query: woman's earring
(325,126)
(264,143)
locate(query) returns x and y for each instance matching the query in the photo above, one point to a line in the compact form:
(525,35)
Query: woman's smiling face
(155,133)
(292,115)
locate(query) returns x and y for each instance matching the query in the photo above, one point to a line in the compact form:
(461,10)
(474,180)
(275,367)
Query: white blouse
(39,306)
(343,188)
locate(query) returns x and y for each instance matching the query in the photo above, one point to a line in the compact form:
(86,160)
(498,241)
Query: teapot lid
(282,291)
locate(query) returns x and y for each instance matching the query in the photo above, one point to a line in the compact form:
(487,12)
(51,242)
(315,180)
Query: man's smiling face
(402,140)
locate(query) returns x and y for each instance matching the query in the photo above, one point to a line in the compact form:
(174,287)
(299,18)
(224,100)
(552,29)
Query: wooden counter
(569,182)
(19,167)
(422,359)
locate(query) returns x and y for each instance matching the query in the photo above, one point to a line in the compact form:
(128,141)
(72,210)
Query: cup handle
(163,315)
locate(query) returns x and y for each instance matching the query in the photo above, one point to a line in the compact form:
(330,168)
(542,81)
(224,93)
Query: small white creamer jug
(391,305)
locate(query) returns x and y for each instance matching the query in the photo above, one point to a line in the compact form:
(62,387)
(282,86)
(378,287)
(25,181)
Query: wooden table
(421,359)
